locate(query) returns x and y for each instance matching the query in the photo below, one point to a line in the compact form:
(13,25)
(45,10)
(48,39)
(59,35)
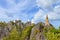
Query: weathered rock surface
(3,32)
(37,32)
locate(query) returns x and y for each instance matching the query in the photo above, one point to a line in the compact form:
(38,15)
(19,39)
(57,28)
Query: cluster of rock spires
(36,31)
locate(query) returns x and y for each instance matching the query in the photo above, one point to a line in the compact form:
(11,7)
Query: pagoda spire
(47,21)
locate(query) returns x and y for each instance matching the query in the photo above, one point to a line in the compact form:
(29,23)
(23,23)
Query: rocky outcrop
(19,25)
(3,32)
(28,24)
(37,32)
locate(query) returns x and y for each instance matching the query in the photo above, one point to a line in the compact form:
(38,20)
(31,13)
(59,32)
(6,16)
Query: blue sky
(34,10)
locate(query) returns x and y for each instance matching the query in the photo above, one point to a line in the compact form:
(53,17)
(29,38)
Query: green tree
(52,34)
(13,35)
(26,33)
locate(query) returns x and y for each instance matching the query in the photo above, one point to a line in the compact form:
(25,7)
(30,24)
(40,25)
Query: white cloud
(43,3)
(14,10)
(47,4)
(38,16)
(54,14)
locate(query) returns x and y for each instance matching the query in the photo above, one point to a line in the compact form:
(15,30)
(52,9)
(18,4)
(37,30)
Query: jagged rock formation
(28,24)
(35,32)
(10,25)
(3,30)
(38,29)
(19,25)
(7,27)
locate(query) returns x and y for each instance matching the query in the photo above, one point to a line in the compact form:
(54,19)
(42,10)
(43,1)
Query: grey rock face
(3,32)
(9,26)
(19,25)
(28,24)
(37,32)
